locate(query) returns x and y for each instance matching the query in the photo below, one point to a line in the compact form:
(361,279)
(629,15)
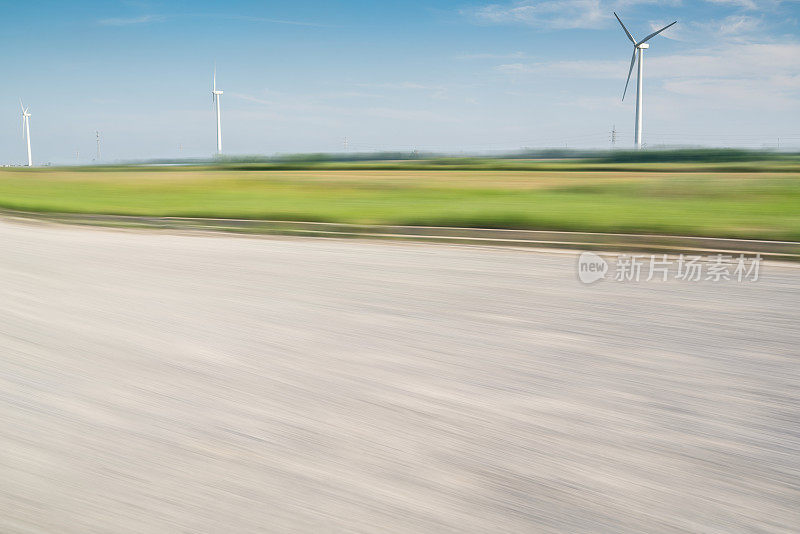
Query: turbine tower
(638,50)
(26,129)
(215,94)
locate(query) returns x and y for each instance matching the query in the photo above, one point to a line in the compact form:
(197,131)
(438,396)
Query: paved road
(155,383)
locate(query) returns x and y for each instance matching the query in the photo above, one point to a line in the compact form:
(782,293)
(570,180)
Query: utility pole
(614,136)
(97,133)
(345,144)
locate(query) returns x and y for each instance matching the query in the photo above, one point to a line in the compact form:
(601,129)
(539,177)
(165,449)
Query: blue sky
(302,76)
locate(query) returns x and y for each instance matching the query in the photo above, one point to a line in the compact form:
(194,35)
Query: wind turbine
(638,48)
(215,94)
(26,129)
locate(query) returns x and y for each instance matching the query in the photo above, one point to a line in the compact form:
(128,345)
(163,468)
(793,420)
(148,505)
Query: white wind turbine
(215,94)
(26,129)
(638,48)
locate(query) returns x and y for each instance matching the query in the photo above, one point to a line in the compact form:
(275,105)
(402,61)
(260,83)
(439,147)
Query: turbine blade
(630,71)
(21,106)
(656,33)
(626,29)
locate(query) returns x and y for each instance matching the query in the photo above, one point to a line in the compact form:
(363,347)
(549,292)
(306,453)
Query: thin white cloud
(438,92)
(396,85)
(558,14)
(773,92)
(735,26)
(144,19)
(730,28)
(568,68)
(752,5)
(317,109)
(303,100)
(515,68)
(510,55)
(271,21)
(747,60)
(555,14)
(758,61)
(409,115)
(750,74)
(251,98)
(758,5)
(593,14)
(746,4)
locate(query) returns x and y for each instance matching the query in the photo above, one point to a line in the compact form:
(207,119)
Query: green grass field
(686,199)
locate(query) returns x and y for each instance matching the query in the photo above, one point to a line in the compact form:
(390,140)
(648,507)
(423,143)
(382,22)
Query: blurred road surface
(157,383)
